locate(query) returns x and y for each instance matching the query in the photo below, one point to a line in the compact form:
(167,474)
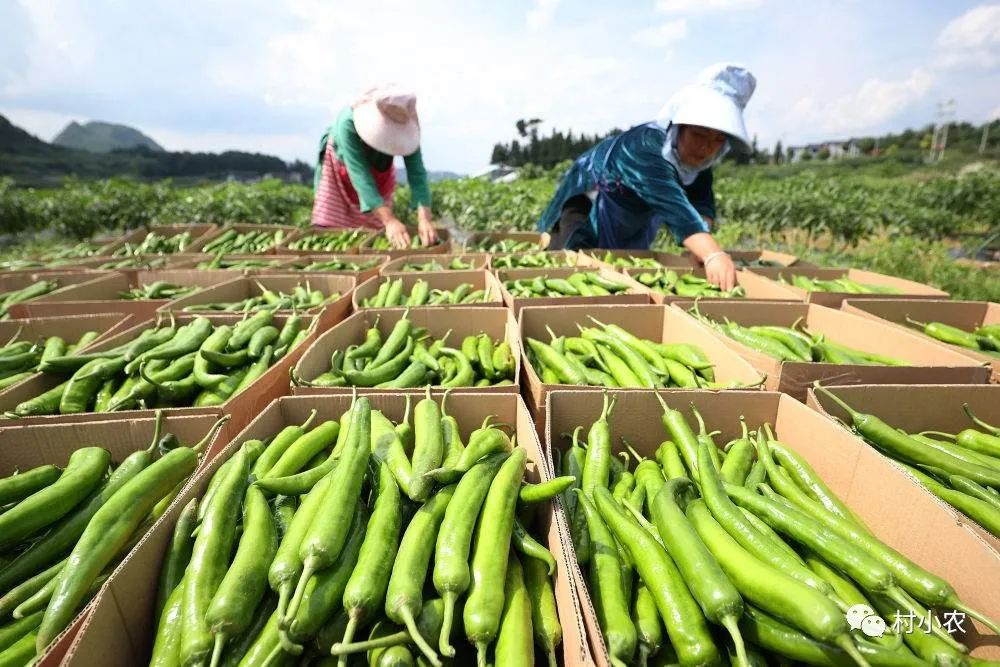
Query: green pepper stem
(940,434)
(309,419)
(854,414)
(201,444)
(979,422)
(844,643)
(220,643)
(157,429)
(418,639)
(444,644)
(395,639)
(729,622)
(978,615)
(915,322)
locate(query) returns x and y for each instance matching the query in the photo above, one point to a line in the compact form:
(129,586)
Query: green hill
(101,137)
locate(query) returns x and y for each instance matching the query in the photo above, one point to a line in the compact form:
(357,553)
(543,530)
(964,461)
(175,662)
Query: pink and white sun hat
(386,119)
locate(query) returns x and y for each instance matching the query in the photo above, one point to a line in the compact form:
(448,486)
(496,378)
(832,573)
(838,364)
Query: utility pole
(939,140)
(986,136)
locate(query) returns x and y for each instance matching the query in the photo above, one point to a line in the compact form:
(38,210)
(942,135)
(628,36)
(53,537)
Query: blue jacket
(637,192)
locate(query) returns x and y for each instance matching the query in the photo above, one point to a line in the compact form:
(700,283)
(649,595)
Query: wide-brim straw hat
(386,119)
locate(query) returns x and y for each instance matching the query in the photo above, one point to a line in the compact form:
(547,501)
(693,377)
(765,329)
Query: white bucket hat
(386,119)
(716,100)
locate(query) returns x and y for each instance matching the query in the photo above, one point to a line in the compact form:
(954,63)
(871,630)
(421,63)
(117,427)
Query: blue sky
(268,75)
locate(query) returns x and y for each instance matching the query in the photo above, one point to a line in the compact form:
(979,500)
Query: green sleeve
(351,151)
(416,176)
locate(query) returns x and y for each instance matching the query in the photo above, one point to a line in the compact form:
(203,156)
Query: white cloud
(971,39)
(875,101)
(686,6)
(541,14)
(662,35)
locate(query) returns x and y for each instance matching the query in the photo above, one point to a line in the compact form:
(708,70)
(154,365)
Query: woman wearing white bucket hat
(620,192)
(355,176)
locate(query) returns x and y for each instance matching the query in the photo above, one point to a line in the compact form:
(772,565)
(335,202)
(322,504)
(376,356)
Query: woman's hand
(425,228)
(720,270)
(396,232)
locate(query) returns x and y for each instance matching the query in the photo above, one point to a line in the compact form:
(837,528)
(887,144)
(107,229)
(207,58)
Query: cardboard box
(284,248)
(479,260)
(755,286)
(635,294)
(967,315)
(936,407)
(472,241)
(242,407)
(908,288)
(932,363)
(245,287)
(105,263)
(139,235)
(69,328)
(498,261)
(445,280)
(11,281)
(443,245)
(597,257)
(243,228)
(120,629)
(461,321)
(300,263)
(26,447)
(103,295)
(894,508)
(268,263)
(656,323)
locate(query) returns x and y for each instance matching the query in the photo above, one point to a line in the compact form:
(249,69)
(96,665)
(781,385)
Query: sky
(270,75)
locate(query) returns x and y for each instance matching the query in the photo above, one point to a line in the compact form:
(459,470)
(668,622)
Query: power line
(939,140)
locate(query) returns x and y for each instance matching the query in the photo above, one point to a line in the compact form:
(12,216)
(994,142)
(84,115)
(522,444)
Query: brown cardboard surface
(656,323)
(755,286)
(283,248)
(15,280)
(245,287)
(169,231)
(462,322)
(894,508)
(932,363)
(541,240)
(25,447)
(120,629)
(574,258)
(479,260)
(275,262)
(242,407)
(443,245)
(299,263)
(635,294)
(69,328)
(242,228)
(151,263)
(965,315)
(444,280)
(910,289)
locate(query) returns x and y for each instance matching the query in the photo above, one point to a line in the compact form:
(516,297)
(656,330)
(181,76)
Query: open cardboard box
(11,281)
(438,320)
(69,327)
(965,315)
(657,323)
(299,234)
(478,260)
(932,407)
(599,257)
(932,363)
(137,236)
(299,264)
(566,258)
(266,263)
(242,407)
(744,257)
(445,280)
(242,228)
(887,500)
(244,287)
(103,295)
(120,629)
(26,447)
(105,263)
(634,294)
(443,244)
(908,288)
(755,286)
(471,242)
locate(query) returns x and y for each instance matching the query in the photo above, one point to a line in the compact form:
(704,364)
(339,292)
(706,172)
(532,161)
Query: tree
(779,155)
(824,154)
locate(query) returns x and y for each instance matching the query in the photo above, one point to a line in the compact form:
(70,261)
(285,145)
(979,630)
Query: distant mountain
(432,176)
(33,162)
(100,137)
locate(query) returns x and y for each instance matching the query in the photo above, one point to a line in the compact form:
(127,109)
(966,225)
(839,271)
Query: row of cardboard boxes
(334,329)
(116,628)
